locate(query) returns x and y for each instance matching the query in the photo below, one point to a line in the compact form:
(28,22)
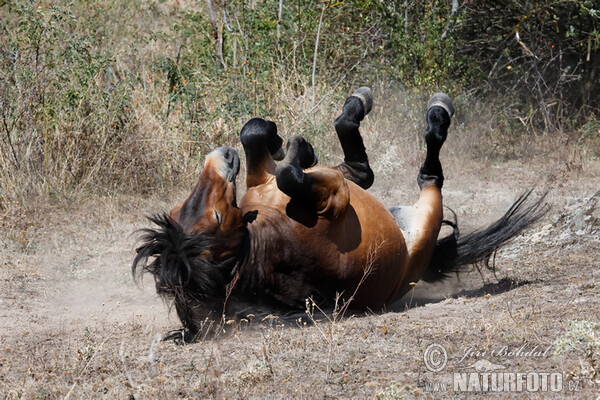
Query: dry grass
(88,107)
(74,325)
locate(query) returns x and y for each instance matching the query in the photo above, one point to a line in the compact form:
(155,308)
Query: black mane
(181,263)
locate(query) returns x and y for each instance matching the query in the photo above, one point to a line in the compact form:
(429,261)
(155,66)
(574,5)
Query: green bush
(107,96)
(64,110)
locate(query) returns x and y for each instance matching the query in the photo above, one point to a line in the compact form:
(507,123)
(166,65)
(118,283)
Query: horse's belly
(297,252)
(381,258)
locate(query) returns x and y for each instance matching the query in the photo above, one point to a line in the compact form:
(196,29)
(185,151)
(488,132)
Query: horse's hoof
(365,95)
(442,100)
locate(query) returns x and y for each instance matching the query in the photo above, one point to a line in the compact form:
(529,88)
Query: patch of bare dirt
(74,325)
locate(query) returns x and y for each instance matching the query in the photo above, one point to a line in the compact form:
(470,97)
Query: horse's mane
(181,262)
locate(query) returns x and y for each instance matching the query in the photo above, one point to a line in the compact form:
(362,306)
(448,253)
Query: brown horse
(302,231)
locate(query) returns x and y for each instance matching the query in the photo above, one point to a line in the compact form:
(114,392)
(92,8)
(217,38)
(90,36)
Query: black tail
(184,272)
(454,252)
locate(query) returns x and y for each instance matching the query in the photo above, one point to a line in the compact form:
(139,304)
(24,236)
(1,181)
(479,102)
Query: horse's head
(192,252)
(211,207)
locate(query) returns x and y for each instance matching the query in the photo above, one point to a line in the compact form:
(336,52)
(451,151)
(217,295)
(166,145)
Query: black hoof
(439,116)
(355,109)
(442,100)
(365,95)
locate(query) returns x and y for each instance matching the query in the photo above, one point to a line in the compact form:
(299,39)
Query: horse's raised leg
(262,145)
(421,223)
(290,176)
(439,113)
(323,189)
(356,163)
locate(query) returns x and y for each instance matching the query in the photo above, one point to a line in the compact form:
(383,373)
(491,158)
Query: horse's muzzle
(230,166)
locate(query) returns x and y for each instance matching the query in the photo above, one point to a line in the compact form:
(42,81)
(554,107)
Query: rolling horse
(305,231)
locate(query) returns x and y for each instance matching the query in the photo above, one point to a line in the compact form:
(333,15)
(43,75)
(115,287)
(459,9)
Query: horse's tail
(454,252)
(180,263)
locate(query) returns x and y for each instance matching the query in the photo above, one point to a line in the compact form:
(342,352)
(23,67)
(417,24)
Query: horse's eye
(218,217)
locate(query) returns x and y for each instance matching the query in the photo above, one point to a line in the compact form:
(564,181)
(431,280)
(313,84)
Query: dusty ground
(74,325)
